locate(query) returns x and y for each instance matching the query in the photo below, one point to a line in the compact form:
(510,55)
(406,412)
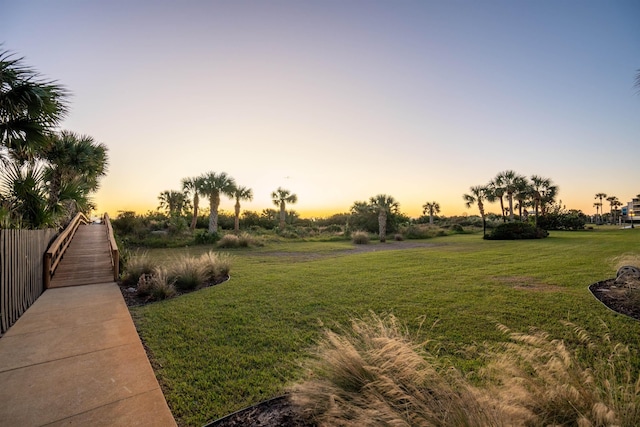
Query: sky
(338,101)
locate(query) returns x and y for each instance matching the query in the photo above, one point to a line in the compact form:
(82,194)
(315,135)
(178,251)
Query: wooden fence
(21,271)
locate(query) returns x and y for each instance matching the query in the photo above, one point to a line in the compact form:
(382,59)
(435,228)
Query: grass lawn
(227,347)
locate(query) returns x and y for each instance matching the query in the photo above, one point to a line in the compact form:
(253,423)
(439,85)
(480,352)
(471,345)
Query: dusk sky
(338,101)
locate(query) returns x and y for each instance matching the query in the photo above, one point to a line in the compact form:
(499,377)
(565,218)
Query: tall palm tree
(30,108)
(73,159)
(383,205)
(240,193)
(600,196)
(612,202)
(431,207)
(495,190)
(280,198)
(543,192)
(193,186)
(173,202)
(213,185)
(477,195)
(510,182)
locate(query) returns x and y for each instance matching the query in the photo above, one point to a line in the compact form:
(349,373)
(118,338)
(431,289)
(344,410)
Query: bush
(562,221)
(516,231)
(206,238)
(360,238)
(333,228)
(156,285)
(187,273)
(398,237)
(457,228)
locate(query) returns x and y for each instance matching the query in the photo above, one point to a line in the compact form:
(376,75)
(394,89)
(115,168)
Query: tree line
(47,174)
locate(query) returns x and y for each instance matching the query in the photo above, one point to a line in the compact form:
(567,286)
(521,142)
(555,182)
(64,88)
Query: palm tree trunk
(431,217)
(504,218)
(237,219)
(510,197)
(194,220)
(213,215)
(382,226)
(282,214)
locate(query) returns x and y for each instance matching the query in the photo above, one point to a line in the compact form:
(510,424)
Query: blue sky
(341,100)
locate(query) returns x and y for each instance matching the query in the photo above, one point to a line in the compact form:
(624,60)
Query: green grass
(226,347)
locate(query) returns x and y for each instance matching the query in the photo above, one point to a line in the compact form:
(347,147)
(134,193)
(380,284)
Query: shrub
(333,228)
(398,237)
(360,237)
(515,231)
(206,238)
(187,273)
(457,228)
(137,265)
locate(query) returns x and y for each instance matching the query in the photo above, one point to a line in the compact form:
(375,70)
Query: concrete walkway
(75,358)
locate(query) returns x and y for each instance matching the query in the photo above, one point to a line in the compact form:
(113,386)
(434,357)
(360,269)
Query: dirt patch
(276,412)
(526,283)
(616,297)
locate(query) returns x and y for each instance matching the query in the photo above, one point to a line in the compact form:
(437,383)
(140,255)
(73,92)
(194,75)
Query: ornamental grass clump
(137,266)
(157,285)
(215,266)
(360,237)
(375,375)
(187,273)
(229,241)
(593,384)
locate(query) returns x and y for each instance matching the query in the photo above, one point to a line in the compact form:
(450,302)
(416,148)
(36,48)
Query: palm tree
(495,190)
(193,186)
(612,201)
(543,192)
(478,195)
(280,198)
(510,182)
(73,161)
(383,205)
(214,184)
(600,196)
(240,193)
(432,208)
(173,202)
(24,196)
(30,108)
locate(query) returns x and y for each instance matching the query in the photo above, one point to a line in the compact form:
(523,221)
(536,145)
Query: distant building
(632,210)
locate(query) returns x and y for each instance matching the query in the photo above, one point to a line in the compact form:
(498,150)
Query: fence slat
(21,266)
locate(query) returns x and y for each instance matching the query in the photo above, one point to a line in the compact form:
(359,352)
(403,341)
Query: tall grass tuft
(157,286)
(375,375)
(591,385)
(187,273)
(360,237)
(138,265)
(215,266)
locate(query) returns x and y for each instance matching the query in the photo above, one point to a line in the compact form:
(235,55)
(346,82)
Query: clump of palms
(214,185)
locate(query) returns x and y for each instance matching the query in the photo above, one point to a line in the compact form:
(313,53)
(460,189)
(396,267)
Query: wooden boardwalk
(87,260)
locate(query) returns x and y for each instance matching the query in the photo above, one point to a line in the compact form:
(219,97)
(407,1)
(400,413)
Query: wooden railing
(115,254)
(21,265)
(54,254)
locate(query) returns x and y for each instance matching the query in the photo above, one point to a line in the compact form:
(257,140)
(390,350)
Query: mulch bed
(271,413)
(134,300)
(615,297)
